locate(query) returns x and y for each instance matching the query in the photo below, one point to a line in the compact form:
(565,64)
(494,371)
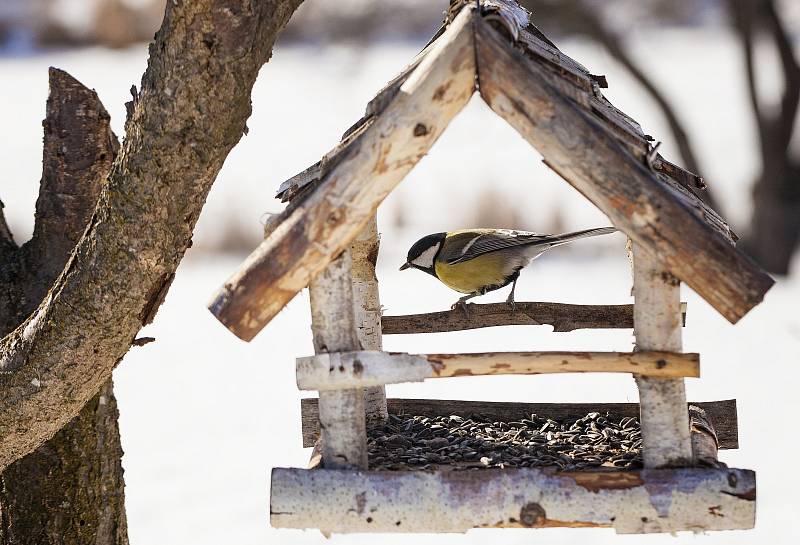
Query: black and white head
(423,253)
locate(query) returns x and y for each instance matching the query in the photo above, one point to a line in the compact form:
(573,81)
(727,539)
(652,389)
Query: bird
(477,261)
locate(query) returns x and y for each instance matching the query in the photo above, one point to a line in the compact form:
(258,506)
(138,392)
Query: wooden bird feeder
(326,239)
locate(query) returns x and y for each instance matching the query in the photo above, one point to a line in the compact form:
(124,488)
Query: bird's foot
(511,303)
(462,304)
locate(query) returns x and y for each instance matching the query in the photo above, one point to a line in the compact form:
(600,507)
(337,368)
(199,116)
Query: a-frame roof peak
(555,104)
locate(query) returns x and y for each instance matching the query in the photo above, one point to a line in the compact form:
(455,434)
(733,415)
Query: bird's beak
(404,266)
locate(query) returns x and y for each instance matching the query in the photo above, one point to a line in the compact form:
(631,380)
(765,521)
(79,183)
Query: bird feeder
(326,239)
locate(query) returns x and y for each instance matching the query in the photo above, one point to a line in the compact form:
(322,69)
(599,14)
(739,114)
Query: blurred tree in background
(774,230)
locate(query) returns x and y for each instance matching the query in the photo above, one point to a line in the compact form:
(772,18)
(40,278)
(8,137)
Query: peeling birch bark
(657,326)
(341,413)
(647,501)
(367,310)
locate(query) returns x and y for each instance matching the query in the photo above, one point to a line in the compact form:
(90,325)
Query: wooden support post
(341,412)
(657,326)
(367,311)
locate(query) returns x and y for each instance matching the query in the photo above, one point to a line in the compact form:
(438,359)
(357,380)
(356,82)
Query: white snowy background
(204,417)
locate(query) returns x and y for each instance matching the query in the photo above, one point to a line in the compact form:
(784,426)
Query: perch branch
(364,368)
(563,318)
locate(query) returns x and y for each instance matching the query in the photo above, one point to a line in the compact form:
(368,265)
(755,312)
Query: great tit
(477,261)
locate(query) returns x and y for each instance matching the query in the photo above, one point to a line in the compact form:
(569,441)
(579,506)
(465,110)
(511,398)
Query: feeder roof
(556,104)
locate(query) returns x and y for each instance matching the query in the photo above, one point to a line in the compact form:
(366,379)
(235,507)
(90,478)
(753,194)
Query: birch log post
(367,311)
(341,412)
(657,326)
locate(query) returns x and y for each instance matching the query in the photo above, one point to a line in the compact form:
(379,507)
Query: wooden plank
(341,412)
(636,201)
(721,414)
(657,326)
(367,311)
(295,185)
(574,81)
(705,443)
(365,368)
(646,501)
(563,318)
(314,231)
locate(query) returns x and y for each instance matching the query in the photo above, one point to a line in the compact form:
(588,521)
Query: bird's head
(423,253)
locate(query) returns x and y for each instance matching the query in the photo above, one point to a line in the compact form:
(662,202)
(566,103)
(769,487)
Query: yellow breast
(470,276)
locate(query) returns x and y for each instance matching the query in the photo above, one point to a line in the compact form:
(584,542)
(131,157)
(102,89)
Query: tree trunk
(66,328)
(70,490)
(775,230)
(191,111)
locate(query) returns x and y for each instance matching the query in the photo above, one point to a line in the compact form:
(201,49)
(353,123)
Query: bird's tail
(569,237)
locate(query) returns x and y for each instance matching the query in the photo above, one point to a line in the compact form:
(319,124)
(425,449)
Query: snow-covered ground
(204,416)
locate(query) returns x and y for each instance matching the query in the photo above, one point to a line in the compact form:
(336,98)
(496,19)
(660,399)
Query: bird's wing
(468,244)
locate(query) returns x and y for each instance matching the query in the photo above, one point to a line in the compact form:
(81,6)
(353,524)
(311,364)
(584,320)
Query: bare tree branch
(744,15)
(190,112)
(791,73)
(775,230)
(578,17)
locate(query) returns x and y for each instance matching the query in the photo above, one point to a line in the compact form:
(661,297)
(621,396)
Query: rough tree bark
(70,490)
(191,111)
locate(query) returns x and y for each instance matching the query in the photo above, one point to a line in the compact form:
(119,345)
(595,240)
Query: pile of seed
(421,442)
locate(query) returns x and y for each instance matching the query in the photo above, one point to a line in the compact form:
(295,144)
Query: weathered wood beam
(563,318)
(647,501)
(579,149)
(359,369)
(341,412)
(367,310)
(657,326)
(327,220)
(720,414)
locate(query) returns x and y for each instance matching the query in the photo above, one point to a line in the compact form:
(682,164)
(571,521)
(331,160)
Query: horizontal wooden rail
(563,318)
(646,501)
(721,414)
(341,370)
